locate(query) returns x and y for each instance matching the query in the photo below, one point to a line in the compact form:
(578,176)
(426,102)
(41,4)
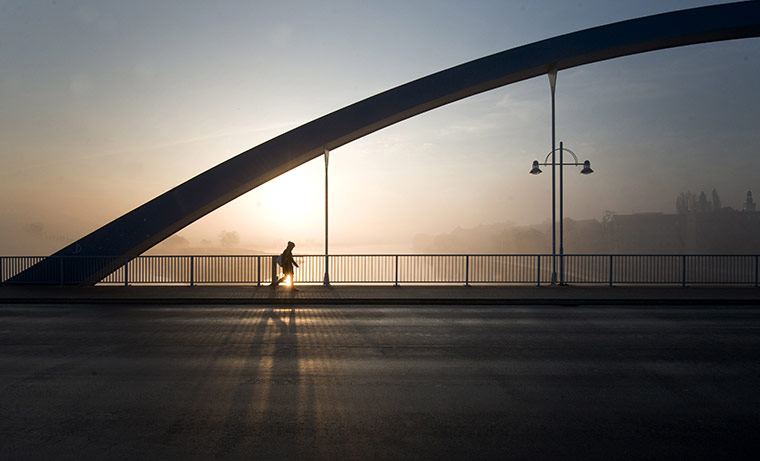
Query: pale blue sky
(104,105)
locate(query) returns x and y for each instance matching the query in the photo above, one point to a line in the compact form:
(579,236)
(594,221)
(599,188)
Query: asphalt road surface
(368,382)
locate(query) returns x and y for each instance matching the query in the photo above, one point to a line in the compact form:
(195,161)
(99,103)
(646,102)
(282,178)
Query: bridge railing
(410,269)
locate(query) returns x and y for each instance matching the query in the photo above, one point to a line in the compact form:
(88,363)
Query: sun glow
(291,201)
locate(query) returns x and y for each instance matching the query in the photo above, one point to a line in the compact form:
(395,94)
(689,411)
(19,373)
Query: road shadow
(268,384)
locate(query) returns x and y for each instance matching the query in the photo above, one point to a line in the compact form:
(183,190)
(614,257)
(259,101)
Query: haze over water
(106,105)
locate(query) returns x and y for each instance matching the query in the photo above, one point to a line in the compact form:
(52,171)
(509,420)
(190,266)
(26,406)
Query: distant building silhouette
(749,204)
(700,226)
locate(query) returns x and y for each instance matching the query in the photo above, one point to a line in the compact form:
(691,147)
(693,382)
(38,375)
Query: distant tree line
(687,203)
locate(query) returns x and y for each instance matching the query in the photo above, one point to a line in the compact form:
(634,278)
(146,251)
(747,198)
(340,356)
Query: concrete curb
(388,301)
(388,295)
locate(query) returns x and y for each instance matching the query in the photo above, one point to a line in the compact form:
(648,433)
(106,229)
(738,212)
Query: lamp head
(535,169)
(587,168)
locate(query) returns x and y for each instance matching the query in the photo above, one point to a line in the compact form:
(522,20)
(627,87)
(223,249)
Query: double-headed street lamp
(586,169)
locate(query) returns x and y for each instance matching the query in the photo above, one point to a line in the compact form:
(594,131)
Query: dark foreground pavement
(379,382)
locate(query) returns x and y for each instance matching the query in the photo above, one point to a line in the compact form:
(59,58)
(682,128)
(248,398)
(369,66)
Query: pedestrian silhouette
(287,262)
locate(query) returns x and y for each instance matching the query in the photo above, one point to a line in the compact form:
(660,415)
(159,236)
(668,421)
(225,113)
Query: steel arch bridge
(135,232)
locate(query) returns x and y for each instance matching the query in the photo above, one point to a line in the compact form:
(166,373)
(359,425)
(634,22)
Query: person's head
(291,245)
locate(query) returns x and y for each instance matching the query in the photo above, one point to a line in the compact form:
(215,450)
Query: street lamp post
(327,217)
(586,169)
(553,86)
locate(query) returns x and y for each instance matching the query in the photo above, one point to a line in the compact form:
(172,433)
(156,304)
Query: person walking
(287,262)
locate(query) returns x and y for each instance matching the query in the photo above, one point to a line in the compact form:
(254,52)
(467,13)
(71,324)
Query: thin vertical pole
(756,272)
(553,85)
(610,270)
(561,218)
(327,256)
(1,271)
(192,270)
(467,270)
(538,275)
(683,273)
(126,271)
(396,284)
(258,270)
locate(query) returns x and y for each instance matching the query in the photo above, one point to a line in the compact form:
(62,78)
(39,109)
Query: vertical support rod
(396,283)
(756,272)
(553,86)
(1,271)
(467,270)
(327,256)
(561,218)
(683,271)
(538,275)
(126,271)
(192,271)
(274,269)
(258,271)
(610,270)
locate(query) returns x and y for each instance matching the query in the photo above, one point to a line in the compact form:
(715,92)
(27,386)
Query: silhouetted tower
(749,204)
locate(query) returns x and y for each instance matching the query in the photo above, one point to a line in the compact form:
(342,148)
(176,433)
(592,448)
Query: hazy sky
(107,104)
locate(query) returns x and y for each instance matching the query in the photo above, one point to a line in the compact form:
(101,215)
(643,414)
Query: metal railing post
(610,270)
(192,271)
(126,272)
(1,271)
(683,275)
(326,281)
(274,269)
(467,270)
(538,275)
(258,271)
(756,272)
(396,283)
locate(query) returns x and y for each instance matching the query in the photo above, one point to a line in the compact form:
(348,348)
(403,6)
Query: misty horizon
(238,241)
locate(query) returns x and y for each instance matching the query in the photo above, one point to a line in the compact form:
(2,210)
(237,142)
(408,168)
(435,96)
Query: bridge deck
(378,382)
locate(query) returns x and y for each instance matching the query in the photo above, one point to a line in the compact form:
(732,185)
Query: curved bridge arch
(147,225)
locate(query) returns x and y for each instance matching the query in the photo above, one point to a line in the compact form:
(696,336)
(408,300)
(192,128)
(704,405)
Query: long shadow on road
(268,383)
